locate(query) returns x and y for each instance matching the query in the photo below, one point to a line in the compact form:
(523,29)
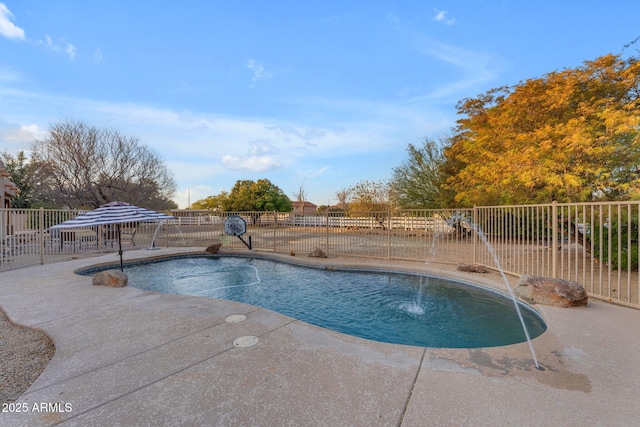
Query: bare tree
(301,194)
(342,196)
(81,166)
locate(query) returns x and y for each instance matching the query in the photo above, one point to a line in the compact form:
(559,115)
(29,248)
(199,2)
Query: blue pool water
(399,308)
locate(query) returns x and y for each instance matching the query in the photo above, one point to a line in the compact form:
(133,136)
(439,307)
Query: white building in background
(9,189)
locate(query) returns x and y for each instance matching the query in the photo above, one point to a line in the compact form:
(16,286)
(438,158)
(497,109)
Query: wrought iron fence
(595,244)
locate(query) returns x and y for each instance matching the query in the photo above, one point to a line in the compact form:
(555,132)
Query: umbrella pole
(120,247)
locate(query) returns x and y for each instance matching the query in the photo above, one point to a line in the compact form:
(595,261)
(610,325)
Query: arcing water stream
(492,251)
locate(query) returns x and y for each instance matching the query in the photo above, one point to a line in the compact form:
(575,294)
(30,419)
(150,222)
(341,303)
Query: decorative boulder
(213,249)
(318,253)
(112,278)
(549,291)
(473,268)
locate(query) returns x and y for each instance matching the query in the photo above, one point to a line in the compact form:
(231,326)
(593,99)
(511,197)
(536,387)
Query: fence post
(388,233)
(3,224)
(326,229)
(100,238)
(166,230)
(41,234)
(474,223)
(275,227)
(554,239)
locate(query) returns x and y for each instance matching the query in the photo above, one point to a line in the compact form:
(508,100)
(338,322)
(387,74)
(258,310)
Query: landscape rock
(318,253)
(213,249)
(112,278)
(549,291)
(473,268)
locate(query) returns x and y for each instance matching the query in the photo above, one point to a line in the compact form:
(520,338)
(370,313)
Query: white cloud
(70,50)
(261,158)
(7,28)
(205,136)
(262,149)
(48,43)
(65,47)
(245,141)
(474,69)
(20,137)
(258,70)
(478,67)
(251,163)
(441,16)
(305,134)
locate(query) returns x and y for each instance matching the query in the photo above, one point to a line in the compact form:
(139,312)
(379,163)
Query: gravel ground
(24,353)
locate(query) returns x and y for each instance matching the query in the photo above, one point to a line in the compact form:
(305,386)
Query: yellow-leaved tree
(569,136)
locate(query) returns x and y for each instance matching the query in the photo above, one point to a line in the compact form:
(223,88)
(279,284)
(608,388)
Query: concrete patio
(130,357)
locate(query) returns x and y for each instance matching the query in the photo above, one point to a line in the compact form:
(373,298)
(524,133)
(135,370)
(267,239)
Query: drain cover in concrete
(235,318)
(246,341)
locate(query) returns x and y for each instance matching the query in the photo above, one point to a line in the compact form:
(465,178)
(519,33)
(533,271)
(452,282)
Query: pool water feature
(525,328)
(153,246)
(400,308)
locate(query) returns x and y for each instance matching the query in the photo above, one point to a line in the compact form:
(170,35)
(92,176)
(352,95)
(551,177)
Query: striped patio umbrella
(114,213)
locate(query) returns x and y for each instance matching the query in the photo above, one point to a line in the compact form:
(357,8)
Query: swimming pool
(400,308)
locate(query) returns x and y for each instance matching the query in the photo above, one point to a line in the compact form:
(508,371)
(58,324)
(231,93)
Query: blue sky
(312,94)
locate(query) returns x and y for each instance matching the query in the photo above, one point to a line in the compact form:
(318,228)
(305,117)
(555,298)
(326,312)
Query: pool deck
(130,357)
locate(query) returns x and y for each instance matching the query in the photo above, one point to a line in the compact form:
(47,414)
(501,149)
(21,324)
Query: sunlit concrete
(130,357)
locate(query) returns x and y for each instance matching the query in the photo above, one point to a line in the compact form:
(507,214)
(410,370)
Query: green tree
(212,202)
(260,195)
(623,234)
(418,182)
(21,174)
(81,166)
(568,136)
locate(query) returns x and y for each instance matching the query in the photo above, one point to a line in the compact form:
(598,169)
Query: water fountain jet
(155,234)
(493,253)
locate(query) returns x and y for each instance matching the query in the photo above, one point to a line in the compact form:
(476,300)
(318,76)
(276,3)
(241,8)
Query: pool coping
(134,357)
